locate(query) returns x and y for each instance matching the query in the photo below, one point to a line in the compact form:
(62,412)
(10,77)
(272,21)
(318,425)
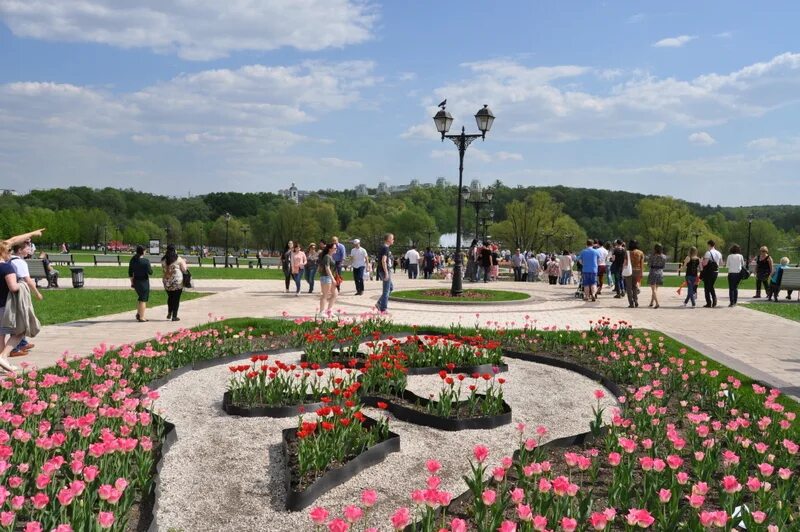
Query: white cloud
(701,138)
(508,156)
(764,143)
(197,30)
(674,42)
(636,19)
(534,103)
(724,35)
(341,163)
(226,121)
(478,155)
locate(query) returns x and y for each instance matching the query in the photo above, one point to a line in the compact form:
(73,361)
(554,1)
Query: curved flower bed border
(411,415)
(269,411)
(297,500)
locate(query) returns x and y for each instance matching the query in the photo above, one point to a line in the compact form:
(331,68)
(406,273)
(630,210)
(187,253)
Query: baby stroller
(578,291)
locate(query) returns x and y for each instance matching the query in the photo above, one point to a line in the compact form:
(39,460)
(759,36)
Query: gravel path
(227,473)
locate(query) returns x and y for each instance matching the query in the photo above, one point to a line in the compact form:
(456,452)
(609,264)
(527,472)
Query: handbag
(337,279)
(187,279)
(627,270)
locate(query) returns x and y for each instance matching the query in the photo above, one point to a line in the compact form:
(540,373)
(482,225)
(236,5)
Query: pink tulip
(599,394)
(458,525)
(524,512)
(664,495)
(640,518)
(568,524)
(33,526)
(730,484)
(433,466)
(517,494)
(338,525)
(598,521)
(63,528)
(614,459)
(481,453)
(784,473)
(319,515)
(401,518)
(40,500)
(65,496)
(369,498)
(507,526)
(759,516)
(695,501)
(105,519)
(7,518)
(539,523)
(488,497)
(353,513)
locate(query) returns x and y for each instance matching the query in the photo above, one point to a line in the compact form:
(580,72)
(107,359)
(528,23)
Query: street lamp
(484,222)
(443,120)
(105,242)
(696,236)
(245,229)
(227,221)
(750,218)
(478,198)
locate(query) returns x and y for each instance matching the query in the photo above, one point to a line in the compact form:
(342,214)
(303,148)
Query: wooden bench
(61,258)
(192,260)
(107,259)
(36,269)
(220,261)
(268,262)
(672,267)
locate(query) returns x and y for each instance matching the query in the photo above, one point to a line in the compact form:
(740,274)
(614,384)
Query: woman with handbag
(173,270)
(655,278)
(628,276)
(736,273)
(691,265)
(299,261)
(327,275)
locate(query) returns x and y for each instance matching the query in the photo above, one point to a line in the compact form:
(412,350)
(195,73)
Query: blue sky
(693,100)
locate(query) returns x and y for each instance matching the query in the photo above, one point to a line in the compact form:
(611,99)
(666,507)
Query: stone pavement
(757,344)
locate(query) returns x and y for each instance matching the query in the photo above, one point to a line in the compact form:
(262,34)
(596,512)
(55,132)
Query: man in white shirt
(358,261)
(711,262)
(601,272)
(18,251)
(412,262)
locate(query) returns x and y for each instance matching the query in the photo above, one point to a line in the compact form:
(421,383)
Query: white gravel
(227,473)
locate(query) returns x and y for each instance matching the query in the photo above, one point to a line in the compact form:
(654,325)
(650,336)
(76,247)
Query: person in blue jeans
(312,255)
(691,265)
(384,273)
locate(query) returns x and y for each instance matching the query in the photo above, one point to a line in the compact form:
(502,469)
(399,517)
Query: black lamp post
(430,234)
(105,242)
(547,241)
(569,237)
(227,221)
(443,121)
(750,218)
(696,236)
(478,199)
(485,222)
(245,229)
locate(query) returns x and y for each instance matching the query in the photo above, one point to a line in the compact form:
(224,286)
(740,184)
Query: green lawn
(785,309)
(59,306)
(204,272)
(443,295)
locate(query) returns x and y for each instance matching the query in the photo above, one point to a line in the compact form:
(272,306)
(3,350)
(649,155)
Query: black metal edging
(411,415)
(297,500)
(269,411)
(170,437)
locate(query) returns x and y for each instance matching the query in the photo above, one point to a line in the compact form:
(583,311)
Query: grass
(482,295)
(205,272)
(60,306)
(785,309)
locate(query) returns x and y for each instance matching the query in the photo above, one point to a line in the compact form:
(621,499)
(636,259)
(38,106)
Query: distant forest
(529,217)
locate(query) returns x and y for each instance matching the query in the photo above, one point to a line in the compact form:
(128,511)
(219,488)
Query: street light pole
(696,236)
(483,198)
(443,121)
(547,241)
(227,220)
(750,218)
(105,242)
(245,229)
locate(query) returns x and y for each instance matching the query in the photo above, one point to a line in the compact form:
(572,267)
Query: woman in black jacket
(139,271)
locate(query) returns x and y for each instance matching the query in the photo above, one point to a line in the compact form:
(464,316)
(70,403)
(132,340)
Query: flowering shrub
(280,384)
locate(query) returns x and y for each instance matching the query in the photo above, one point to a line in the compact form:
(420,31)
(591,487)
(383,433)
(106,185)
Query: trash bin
(77,277)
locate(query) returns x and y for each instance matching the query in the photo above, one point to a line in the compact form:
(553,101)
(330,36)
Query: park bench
(268,262)
(672,267)
(192,260)
(61,258)
(790,279)
(107,259)
(36,269)
(220,261)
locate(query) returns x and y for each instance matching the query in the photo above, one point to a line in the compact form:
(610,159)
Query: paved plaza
(760,345)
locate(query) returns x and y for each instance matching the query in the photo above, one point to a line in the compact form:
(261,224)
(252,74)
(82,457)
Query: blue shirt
(589,258)
(5,269)
(339,254)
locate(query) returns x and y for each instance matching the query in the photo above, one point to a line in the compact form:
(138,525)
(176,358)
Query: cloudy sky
(694,100)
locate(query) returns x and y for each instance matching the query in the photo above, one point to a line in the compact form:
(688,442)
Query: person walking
(286,264)
(601,268)
(655,278)
(412,262)
(637,263)
(553,269)
(299,260)
(472,263)
(384,272)
(518,264)
(312,256)
(735,265)
(8,284)
(139,272)
(589,260)
(710,271)
(609,259)
(19,252)
(429,262)
(359,262)
(533,268)
(339,254)
(327,274)
(173,268)
(764,268)
(628,275)
(617,265)
(565,268)
(691,265)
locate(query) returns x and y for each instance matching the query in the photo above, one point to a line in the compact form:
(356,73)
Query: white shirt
(359,257)
(20,266)
(735,263)
(603,254)
(713,254)
(565,262)
(412,256)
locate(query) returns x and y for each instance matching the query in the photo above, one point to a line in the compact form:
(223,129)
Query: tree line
(525,217)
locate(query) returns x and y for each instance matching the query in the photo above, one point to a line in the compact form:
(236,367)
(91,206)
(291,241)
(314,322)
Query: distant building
(441,182)
(294,194)
(361,191)
(8,192)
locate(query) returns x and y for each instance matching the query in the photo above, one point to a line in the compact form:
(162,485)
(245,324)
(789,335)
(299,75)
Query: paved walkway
(757,344)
